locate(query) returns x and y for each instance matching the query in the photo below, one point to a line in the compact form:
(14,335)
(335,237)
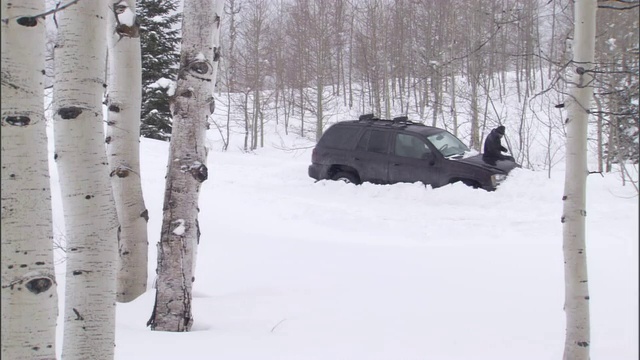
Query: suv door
(371,156)
(412,160)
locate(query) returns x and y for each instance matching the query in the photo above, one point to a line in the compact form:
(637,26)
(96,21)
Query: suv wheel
(347,177)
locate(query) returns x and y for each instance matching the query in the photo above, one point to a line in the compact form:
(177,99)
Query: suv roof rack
(367,117)
(400,121)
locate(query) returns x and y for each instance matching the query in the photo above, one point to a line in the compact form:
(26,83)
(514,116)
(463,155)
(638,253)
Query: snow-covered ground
(289,268)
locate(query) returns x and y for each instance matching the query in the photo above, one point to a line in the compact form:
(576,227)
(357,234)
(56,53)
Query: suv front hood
(500,166)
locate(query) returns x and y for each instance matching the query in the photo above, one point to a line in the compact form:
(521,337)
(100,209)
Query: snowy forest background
(307,65)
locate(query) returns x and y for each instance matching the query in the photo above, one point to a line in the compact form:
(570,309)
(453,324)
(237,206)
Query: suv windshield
(447,144)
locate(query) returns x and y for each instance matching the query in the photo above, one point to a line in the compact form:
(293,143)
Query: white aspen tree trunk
(320,110)
(192,105)
(89,210)
(475,141)
(576,306)
(218,8)
(454,111)
(123,147)
(29,291)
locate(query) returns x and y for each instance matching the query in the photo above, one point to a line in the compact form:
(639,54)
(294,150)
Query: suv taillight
(314,156)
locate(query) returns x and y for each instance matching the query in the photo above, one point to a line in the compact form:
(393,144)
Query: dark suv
(392,151)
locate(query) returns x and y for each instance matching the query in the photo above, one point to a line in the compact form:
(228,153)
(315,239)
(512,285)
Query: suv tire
(347,177)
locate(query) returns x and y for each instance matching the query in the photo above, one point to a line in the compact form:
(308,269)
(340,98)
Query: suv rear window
(339,137)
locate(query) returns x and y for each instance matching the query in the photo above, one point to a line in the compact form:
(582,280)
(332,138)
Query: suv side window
(374,141)
(339,137)
(411,146)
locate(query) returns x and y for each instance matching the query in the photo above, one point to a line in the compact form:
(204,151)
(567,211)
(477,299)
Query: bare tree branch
(632,4)
(44,14)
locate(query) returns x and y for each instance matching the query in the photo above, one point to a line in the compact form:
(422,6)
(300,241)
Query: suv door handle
(357,158)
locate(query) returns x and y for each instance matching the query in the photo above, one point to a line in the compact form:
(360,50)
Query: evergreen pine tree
(160,41)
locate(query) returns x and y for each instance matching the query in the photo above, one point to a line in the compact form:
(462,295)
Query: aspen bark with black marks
(89,210)
(29,291)
(577,340)
(123,148)
(191,108)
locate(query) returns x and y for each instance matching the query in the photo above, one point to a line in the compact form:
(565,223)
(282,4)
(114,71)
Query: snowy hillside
(293,269)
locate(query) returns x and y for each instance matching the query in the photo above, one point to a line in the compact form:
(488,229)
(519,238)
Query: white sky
(292,269)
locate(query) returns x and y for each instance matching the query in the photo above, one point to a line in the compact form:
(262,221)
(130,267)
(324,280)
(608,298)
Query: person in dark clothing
(493,148)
